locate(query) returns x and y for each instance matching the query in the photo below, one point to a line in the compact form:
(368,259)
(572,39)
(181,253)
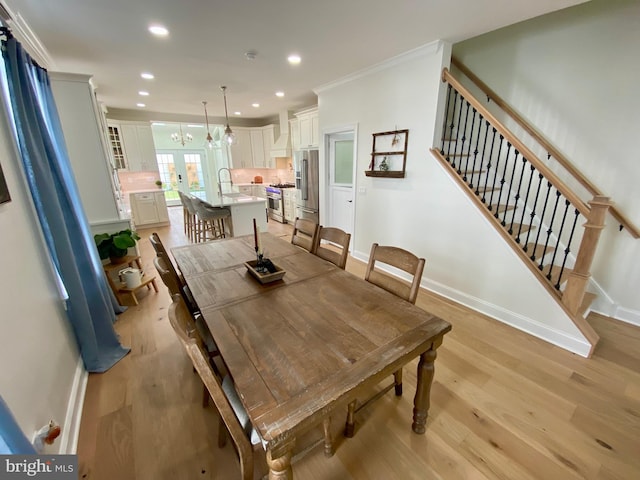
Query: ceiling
(208,39)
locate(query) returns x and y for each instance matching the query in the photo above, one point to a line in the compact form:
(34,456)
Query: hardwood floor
(504,405)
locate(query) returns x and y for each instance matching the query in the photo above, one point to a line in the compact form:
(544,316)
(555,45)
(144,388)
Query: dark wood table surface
(301,346)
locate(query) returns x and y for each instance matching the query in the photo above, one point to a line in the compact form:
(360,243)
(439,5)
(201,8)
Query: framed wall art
(389,154)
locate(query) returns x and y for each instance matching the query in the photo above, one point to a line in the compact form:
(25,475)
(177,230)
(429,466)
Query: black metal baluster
(526,201)
(453,116)
(464,138)
(517,196)
(446,117)
(544,210)
(468,154)
(549,231)
(486,179)
(455,146)
(567,250)
(555,251)
(495,175)
(532,215)
(476,151)
(502,180)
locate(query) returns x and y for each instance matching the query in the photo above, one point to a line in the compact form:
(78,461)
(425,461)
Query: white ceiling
(208,38)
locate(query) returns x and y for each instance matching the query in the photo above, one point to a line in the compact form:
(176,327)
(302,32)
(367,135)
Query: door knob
(350,201)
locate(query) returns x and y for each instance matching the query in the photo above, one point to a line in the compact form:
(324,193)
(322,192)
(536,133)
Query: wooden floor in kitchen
(504,405)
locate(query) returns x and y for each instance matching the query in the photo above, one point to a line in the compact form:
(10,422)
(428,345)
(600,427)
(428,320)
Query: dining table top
(301,346)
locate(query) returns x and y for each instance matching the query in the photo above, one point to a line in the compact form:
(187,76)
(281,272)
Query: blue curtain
(12,440)
(57,202)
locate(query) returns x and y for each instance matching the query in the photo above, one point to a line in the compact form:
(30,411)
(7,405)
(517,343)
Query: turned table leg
(280,467)
(421,402)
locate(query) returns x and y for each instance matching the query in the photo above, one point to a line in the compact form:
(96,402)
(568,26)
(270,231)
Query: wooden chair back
(337,237)
(157,245)
(398,258)
(305,234)
(182,323)
(168,275)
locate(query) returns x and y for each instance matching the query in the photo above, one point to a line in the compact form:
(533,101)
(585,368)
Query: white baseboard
(71,426)
(516,320)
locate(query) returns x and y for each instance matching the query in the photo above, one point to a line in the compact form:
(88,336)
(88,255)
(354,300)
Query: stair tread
(502,208)
(485,189)
(536,249)
(521,228)
(555,271)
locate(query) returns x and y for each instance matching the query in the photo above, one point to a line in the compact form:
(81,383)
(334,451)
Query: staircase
(553,231)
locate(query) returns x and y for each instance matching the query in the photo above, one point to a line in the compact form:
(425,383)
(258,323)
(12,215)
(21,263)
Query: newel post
(579,278)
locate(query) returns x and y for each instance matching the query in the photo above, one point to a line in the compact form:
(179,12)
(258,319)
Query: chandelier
(206,117)
(229,136)
(181,138)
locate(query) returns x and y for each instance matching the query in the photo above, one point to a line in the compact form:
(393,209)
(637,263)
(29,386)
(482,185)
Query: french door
(182,170)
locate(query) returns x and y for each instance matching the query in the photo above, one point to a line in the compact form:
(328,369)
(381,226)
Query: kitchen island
(244,208)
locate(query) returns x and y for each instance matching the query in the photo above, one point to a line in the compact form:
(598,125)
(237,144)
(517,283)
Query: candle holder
(260,265)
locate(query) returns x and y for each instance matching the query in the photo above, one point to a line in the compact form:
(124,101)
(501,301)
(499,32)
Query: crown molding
(424,50)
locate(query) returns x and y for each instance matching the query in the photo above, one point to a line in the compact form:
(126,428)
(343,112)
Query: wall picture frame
(389,154)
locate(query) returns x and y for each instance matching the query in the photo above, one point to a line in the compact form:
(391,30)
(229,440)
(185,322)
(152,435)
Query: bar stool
(192,222)
(187,219)
(211,220)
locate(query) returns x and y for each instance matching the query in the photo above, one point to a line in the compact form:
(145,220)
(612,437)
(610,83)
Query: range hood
(282,146)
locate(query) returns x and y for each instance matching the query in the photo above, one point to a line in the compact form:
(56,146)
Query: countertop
(150,190)
(240,199)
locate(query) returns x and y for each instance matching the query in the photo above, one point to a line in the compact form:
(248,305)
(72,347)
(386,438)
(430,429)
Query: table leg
(350,424)
(328,442)
(280,467)
(421,402)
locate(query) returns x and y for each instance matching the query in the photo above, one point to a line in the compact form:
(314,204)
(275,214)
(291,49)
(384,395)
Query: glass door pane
(195,175)
(169,177)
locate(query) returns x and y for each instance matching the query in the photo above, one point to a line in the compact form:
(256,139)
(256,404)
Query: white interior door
(341,171)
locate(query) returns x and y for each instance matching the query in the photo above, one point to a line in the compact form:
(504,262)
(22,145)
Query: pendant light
(229,136)
(206,117)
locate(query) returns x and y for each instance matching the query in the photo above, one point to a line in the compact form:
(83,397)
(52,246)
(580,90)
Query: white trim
(32,44)
(421,51)
(516,320)
(626,315)
(71,425)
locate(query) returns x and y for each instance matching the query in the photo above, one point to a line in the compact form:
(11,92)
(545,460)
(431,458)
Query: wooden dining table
(300,347)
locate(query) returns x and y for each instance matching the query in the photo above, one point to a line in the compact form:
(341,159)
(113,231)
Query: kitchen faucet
(230,181)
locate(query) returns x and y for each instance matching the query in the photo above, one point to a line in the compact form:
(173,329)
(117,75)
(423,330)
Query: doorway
(341,150)
(184,171)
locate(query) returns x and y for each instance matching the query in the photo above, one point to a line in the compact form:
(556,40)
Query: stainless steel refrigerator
(305,164)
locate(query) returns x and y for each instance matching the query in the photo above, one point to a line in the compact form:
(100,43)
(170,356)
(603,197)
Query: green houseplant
(115,245)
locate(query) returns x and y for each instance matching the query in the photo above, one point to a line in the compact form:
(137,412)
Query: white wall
(426,212)
(574,75)
(40,368)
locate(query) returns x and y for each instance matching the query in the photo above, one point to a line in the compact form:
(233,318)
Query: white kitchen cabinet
(268,139)
(294,128)
(241,151)
(138,146)
(308,129)
(257,148)
(289,201)
(148,208)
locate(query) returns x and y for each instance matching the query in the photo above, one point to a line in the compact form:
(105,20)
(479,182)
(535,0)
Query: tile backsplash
(269,175)
(133,181)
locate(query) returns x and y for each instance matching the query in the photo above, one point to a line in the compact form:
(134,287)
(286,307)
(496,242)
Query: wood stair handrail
(569,194)
(554,152)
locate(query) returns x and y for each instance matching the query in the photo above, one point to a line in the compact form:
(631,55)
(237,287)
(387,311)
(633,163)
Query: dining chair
(338,251)
(305,233)
(175,287)
(233,417)
(414,266)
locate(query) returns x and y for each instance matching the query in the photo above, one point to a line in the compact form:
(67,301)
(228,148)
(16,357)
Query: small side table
(120,288)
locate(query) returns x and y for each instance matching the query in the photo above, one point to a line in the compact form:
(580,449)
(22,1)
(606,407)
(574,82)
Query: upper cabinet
(133,143)
(306,133)
(252,147)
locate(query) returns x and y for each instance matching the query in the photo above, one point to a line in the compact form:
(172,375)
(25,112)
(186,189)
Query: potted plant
(115,246)
(159,183)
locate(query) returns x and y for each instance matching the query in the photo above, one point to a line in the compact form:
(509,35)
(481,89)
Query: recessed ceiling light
(279,94)
(195,126)
(147,75)
(143,93)
(255,105)
(294,59)
(141,105)
(159,30)
(237,113)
